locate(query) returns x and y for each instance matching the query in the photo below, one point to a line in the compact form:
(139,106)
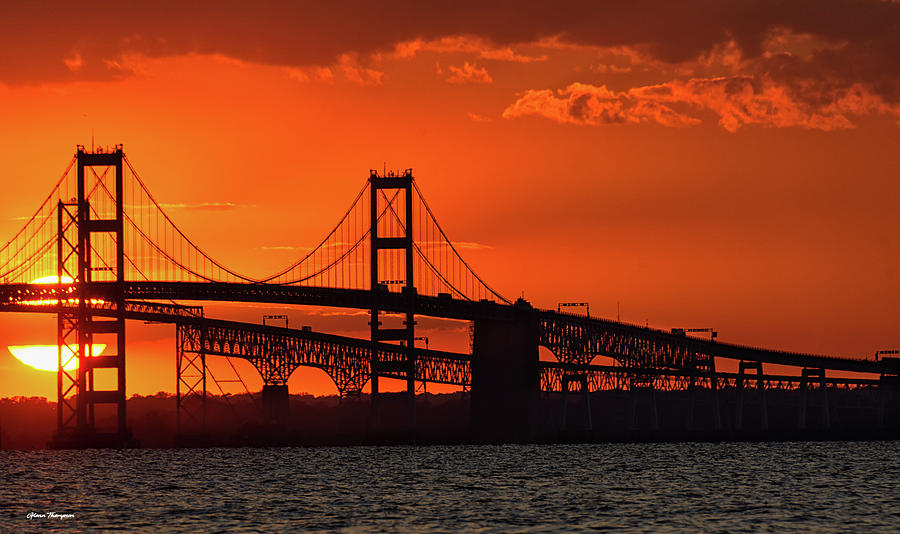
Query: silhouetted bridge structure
(101,250)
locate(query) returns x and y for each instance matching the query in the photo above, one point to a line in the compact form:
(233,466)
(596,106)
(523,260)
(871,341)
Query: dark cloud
(53,40)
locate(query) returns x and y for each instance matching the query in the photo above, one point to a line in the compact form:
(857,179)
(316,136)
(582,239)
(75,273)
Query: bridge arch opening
(309,380)
(603,360)
(546,355)
(231,377)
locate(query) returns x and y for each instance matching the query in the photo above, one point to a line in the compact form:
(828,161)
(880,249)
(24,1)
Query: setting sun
(46,357)
(53,280)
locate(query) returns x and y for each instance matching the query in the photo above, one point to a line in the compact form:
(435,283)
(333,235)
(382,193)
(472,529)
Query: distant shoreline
(443,419)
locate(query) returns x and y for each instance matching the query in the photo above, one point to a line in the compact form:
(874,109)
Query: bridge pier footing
(582,381)
(505,377)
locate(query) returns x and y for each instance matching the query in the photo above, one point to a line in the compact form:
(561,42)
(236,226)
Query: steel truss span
(278,352)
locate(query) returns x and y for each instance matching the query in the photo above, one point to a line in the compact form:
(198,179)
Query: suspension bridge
(101,250)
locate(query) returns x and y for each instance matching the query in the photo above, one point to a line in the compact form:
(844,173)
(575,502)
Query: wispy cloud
(459,245)
(285,247)
(208,206)
(354,71)
(475,117)
(471,245)
(310,74)
(469,73)
(461,44)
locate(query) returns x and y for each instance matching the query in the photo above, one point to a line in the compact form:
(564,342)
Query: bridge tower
(399,239)
(90,253)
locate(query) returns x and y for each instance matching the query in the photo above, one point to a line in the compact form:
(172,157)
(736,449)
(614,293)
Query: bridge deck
(42,297)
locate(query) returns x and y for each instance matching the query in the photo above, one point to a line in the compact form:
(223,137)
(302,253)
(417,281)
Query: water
(815,487)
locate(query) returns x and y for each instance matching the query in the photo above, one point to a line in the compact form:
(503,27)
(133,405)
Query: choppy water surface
(642,487)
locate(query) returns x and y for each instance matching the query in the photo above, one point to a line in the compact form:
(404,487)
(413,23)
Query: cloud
(604,68)
(36,38)
(591,105)
(310,74)
(463,44)
(354,71)
(283,247)
(816,60)
(475,117)
(469,74)
(459,245)
(737,100)
(74,63)
(470,245)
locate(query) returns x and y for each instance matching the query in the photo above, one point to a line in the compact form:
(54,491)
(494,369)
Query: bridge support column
(761,386)
(805,375)
(586,399)
(801,411)
(692,400)
(705,367)
(714,387)
(888,386)
(505,376)
(634,393)
(190,381)
(714,401)
(564,403)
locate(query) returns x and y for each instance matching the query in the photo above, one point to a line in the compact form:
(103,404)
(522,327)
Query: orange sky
(733,168)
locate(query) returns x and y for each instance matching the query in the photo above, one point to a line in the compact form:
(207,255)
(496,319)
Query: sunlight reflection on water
(639,487)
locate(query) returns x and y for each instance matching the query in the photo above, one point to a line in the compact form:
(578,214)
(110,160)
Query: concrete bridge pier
(276,403)
(887,390)
(714,387)
(692,400)
(505,375)
(761,386)
(805,375)
(634,393)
